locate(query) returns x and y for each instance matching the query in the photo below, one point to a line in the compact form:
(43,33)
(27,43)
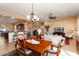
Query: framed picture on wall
(20,27)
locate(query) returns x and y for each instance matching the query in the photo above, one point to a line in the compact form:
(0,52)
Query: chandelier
(32,17)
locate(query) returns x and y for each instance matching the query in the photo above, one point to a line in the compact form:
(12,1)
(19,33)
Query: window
(2,28)
(59,29)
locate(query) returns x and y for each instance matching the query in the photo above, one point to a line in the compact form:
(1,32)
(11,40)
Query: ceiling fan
(51,16)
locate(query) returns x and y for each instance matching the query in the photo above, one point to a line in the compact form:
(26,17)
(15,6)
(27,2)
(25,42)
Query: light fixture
(32,17)
(52,16)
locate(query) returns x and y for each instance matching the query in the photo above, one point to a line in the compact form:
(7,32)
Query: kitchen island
(8,36)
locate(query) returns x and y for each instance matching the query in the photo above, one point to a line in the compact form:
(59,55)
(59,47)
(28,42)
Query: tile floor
(71,48)
(5,47)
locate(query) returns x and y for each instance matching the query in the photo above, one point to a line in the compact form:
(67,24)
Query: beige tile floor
(71,48)
(7,47)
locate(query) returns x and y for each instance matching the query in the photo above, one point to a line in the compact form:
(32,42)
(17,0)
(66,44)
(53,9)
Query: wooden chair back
(58,49)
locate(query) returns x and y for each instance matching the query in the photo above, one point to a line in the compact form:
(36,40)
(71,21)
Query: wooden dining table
(40,48)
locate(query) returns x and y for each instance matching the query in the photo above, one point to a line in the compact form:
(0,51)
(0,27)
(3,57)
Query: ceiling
(9,19)
(41,9)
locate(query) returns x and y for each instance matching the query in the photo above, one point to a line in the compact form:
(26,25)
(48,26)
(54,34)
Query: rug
(13,53)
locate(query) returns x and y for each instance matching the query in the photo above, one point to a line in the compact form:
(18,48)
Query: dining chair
(59,43)
(55,49)
(21,49)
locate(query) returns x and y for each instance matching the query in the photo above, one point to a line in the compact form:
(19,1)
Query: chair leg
(51,47)
(47,54)
(57,54)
